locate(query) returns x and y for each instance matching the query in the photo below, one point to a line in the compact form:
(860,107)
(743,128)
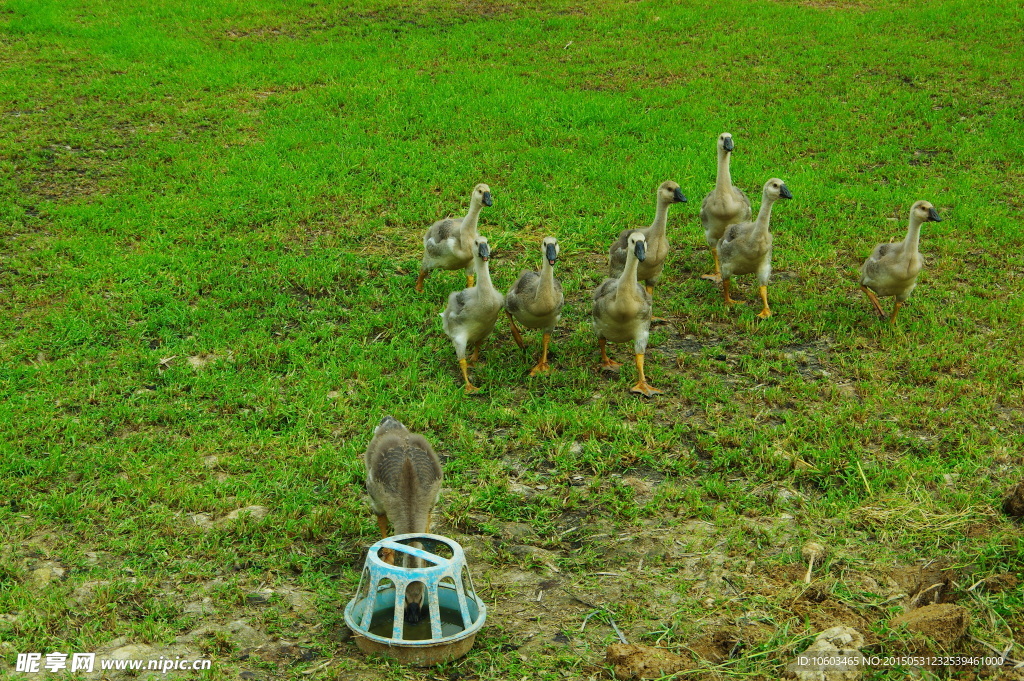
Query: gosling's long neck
(470,221)
(913,235)
(483,273)
(657,229)
(627,280)
(546,290)
(724,182)
(765,213)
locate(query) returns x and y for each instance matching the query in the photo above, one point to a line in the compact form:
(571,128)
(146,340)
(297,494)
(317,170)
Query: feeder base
(419,655)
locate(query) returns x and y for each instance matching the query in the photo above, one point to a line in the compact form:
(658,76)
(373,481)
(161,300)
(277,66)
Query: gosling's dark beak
(485,252)
(414,613)
(678,195)
(551,253)
(488,201)
(727,144)
(933,215)
(785,193)
(640,250)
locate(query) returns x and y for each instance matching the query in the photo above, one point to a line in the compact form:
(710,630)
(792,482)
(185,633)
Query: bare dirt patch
(1013,502)
(944,623)
(631,661)
(924,585)
(833,5)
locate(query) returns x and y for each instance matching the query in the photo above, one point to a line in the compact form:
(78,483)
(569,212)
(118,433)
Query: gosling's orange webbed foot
(715,278)
(607,363)
(464,366)
(765,313)
(388,556)
(659,320)
(646,389)
(540,368)
(729,300)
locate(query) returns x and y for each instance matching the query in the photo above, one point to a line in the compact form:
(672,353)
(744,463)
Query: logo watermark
(37,663)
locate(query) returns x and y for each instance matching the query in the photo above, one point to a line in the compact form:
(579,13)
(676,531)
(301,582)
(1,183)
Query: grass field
(210,223)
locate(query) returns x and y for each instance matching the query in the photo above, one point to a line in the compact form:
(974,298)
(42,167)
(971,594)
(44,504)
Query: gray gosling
(892,269)
(657,240)
(725,205)
(536,301)
(746,247)
(448,243)
(403,479)
(622,313)
(473,311)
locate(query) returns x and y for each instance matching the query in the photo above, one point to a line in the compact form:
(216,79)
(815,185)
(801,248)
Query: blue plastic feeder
(454,613)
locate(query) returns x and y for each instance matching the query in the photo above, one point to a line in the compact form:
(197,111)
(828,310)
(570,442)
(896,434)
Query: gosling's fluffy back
(403,476)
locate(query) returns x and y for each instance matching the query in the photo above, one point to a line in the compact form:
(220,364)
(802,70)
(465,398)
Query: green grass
(246,184)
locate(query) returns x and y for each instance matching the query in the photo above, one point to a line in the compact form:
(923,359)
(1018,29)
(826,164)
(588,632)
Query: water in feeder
(451,624)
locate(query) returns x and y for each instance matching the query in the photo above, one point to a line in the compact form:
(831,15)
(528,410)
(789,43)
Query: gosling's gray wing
(376,484)
(605,288)
(525,288)
(455,313)
(436,239)
(705,217)
(617,253)
(876,262)
(733,234)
